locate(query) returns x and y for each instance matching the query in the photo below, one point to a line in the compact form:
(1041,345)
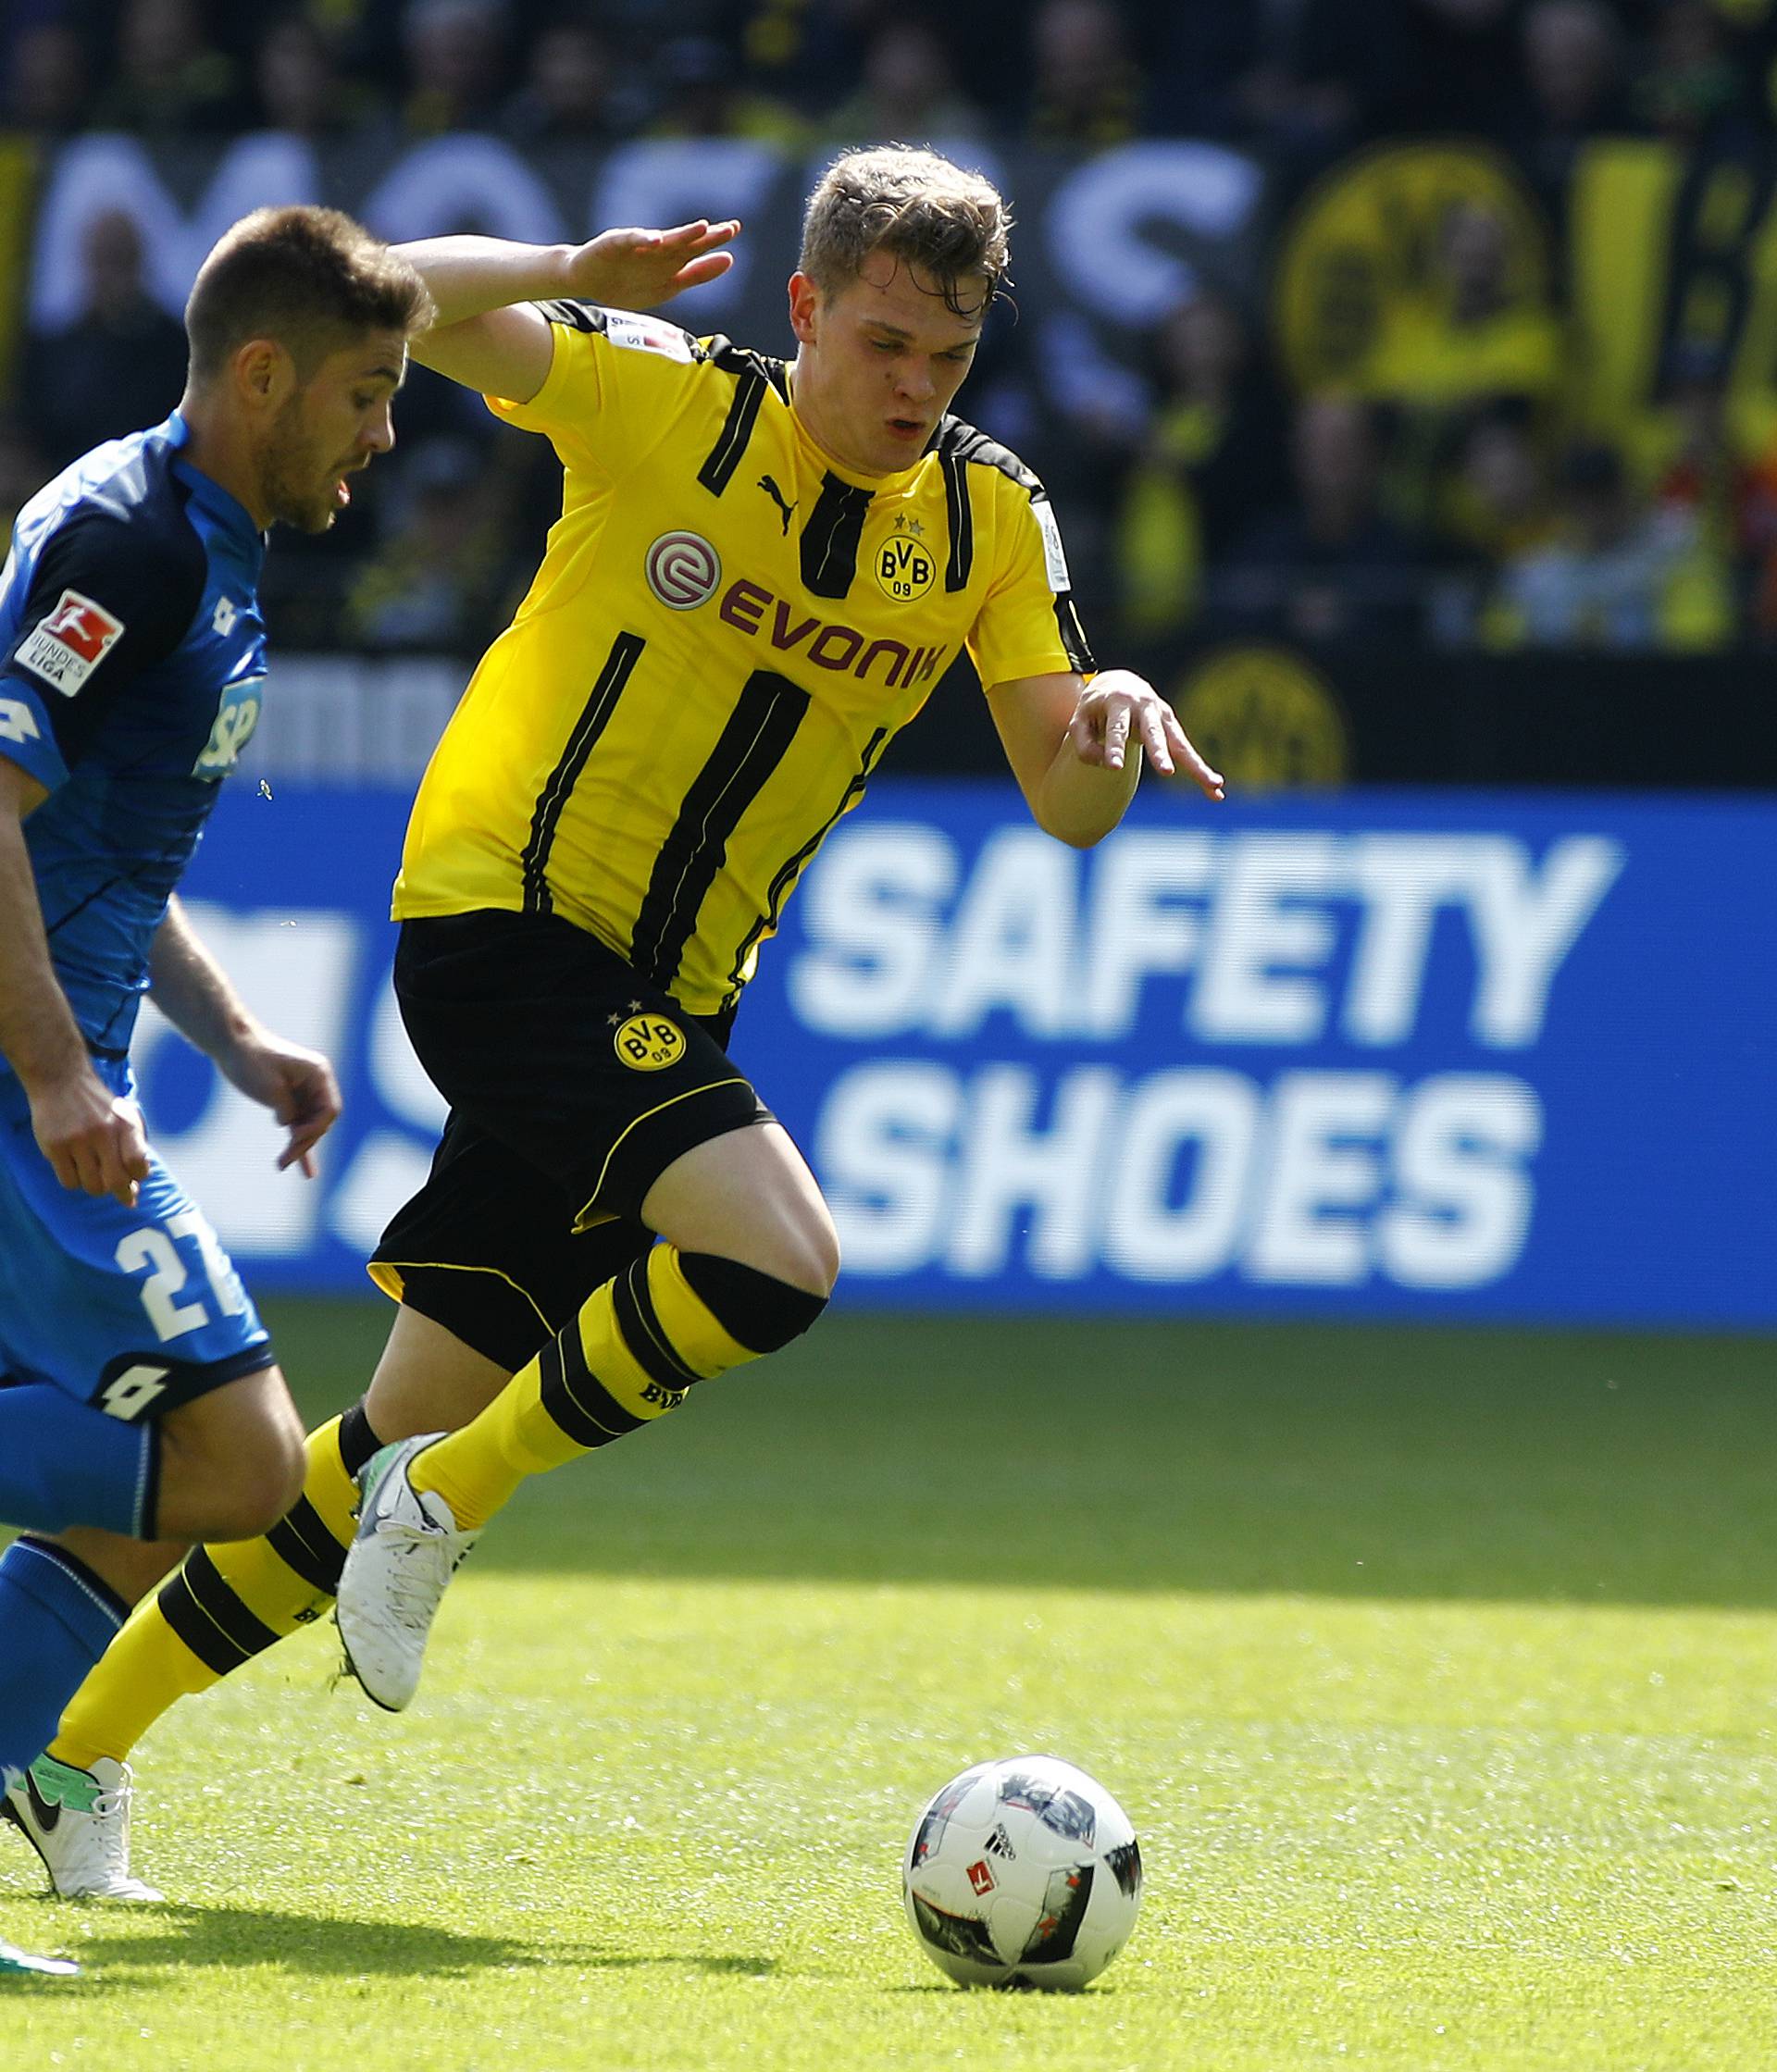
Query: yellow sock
(637,1344)
(219,1608)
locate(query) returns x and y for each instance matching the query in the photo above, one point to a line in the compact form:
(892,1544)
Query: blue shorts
(135,1311)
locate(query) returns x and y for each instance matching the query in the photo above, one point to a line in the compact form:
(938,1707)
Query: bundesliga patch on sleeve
(65,649)
(647,334)
(1055,560)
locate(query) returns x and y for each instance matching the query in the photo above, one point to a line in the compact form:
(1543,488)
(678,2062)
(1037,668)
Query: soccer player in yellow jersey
(759,573)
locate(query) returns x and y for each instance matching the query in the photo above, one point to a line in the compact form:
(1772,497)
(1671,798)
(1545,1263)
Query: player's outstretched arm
(487,336)
(192,991)
(90,1137)
(1078,748)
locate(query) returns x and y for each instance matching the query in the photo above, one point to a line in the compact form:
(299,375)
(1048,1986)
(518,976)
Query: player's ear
(263,373)
(805,300)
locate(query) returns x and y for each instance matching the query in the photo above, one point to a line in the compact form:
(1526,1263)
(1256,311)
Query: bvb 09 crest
(648,1042)
(904,563)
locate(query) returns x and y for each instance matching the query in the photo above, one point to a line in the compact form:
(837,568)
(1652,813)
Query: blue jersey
(134,655)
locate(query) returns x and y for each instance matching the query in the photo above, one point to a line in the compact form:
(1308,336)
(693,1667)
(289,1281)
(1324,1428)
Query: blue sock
(57,1618)
(64,1463)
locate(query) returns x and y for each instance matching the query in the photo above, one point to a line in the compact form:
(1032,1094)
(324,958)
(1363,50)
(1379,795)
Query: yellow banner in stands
(1358,259)
(17,175)
(1265,719)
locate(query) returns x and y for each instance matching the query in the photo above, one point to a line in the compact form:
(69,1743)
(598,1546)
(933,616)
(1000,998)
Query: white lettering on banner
(1104,217)
(390,1165)
(395,1073)
(1243,994)
(1402,880)
(1012,941)
(1325,1173)
(1009,1165)
(1325,1180)
(1147,1236)
(666,179)
(1136,929)
(873,926)
(1524,926)
(450,183)
(1465,1201)
(95,176)
(883,1148)
(1250,927)
(294,968)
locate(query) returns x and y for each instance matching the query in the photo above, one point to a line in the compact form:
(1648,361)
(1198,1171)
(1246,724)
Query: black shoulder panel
(955,436)
(578,317)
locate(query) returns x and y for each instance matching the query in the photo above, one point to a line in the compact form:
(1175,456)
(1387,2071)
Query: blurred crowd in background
(1461,494)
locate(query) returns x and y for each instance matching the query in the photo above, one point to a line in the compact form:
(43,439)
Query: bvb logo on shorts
(648,1042)
(904,563)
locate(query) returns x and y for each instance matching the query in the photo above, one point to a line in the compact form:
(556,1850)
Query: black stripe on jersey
(592,722)
(785,882)
(760,730)
(753,373)
(962,517)
(831,536)
(1079,656)
(302,1542)
(578,317)
(718,471)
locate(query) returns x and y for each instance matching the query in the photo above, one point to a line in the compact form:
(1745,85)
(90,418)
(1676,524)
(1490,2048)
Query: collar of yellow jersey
(834,465)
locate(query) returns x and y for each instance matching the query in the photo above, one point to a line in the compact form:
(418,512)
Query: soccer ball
(1023,1872)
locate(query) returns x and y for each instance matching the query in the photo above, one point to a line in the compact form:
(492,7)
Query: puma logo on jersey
(65,648)
(776,496)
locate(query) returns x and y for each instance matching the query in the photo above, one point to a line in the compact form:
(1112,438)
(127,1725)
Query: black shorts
(573,1084)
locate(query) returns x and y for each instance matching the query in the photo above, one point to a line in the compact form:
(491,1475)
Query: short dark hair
(308,277)
(923,209)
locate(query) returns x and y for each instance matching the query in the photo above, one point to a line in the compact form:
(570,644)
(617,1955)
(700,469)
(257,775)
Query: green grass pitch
(1437,1670)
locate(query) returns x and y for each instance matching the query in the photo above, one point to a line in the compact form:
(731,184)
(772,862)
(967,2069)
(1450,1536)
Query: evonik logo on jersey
(64,649)
(828,643)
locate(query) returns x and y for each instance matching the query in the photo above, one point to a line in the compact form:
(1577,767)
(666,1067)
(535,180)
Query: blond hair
(926,211)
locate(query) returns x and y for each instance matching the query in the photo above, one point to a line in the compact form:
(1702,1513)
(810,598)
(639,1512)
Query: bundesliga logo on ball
(1023,1872)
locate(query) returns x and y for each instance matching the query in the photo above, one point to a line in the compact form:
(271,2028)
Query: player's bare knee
(798,1246)
(817,1263)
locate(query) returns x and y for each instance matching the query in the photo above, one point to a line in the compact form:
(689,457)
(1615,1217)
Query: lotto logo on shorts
(65,649)
(650,1042)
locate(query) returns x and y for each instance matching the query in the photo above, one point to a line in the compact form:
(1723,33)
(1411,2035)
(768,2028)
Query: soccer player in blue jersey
(140,1405)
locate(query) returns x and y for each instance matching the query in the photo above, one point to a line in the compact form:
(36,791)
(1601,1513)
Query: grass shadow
(204,1938)
(232,1937)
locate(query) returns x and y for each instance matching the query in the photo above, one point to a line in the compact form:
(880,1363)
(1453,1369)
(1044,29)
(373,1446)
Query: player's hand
(93,1138)
(1118,706)
(637,270)
(298,1086)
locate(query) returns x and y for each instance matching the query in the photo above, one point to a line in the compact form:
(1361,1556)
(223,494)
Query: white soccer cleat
(78,1820)
(405,1551)
(15,1963)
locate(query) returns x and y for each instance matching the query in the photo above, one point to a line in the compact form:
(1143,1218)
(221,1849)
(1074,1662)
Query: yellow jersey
(726,630)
